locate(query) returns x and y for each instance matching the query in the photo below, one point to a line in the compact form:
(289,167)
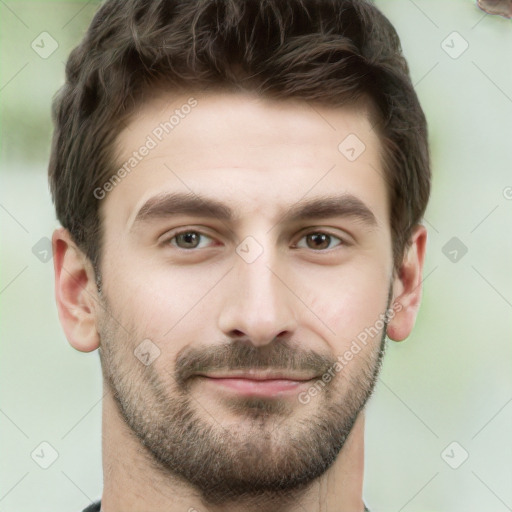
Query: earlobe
(75,292)
(407,287)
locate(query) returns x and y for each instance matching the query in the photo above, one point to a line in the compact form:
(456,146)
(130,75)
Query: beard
(275,449)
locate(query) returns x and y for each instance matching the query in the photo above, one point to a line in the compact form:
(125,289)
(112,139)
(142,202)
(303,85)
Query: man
(241,186)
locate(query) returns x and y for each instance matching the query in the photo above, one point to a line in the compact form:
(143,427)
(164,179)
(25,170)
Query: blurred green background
(450,382)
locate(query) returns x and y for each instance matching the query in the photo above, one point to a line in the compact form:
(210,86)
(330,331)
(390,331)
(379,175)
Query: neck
(132,482)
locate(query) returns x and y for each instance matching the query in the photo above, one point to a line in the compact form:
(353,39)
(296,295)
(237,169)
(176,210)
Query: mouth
(257,383)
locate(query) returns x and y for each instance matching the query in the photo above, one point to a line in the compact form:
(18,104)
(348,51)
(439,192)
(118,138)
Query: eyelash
(168,240)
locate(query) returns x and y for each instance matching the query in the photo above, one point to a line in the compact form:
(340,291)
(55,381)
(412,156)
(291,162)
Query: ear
(407,287)
(75,292)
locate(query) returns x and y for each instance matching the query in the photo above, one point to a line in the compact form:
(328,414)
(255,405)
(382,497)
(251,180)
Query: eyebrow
(167,205)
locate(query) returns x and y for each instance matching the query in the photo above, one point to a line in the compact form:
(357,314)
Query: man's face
(193,295)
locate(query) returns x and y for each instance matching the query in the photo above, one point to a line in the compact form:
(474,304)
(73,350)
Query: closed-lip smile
(258,375)
(257,383)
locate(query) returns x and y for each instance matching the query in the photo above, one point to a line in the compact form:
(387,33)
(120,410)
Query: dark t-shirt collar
(96,507)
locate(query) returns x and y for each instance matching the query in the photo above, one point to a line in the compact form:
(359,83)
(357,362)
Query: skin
(258,157)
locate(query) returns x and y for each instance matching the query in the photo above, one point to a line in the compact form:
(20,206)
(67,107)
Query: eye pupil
(321,237)
(188,238)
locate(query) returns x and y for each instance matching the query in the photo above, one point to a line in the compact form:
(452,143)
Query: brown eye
(187,239)
(320,241)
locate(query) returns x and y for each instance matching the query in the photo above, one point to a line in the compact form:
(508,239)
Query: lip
(267,384)
(259,375)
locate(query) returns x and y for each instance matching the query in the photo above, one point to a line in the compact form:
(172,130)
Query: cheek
(170,307)
(147,288)
(346,303)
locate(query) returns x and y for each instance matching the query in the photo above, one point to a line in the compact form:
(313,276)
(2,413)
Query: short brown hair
(334,52)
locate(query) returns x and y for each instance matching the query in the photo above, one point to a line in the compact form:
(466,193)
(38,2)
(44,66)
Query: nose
(258,305)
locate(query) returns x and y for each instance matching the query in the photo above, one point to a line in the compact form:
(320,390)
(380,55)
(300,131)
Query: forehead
(250,150)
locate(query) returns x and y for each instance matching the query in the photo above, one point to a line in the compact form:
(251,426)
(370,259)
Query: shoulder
(93,507)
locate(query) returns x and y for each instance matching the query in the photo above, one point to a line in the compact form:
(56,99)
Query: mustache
(240,355)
